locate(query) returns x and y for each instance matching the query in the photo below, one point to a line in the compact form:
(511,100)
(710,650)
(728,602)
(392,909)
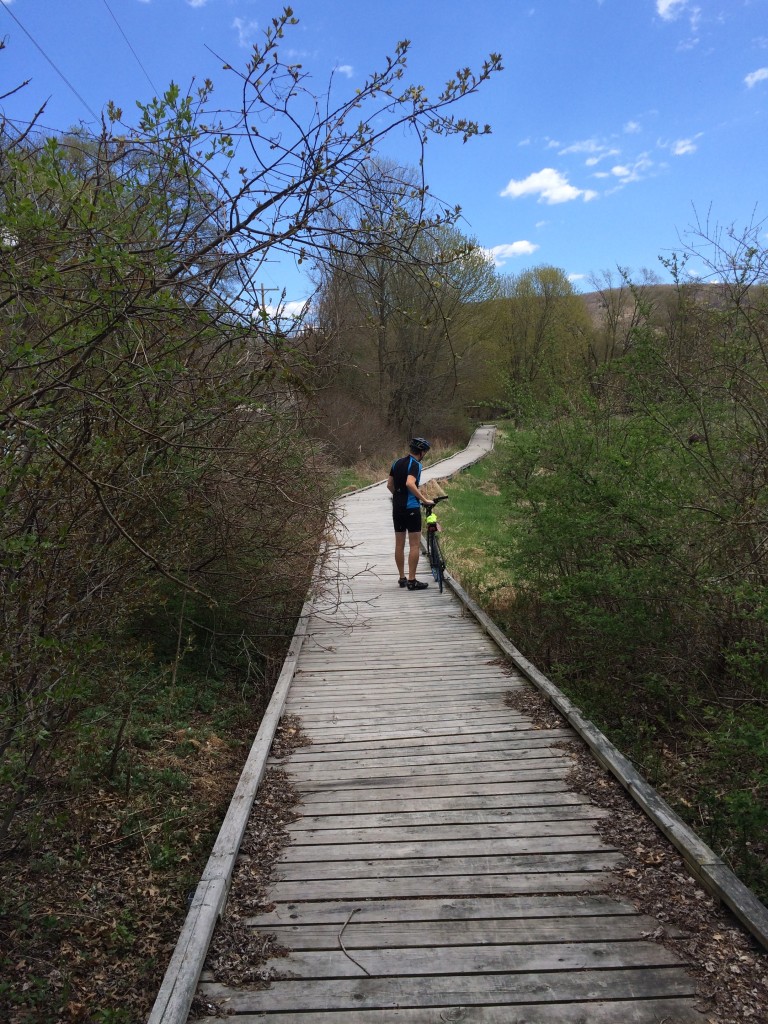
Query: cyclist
(403,484)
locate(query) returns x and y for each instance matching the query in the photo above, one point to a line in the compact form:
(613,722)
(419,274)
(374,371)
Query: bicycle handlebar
(434,501)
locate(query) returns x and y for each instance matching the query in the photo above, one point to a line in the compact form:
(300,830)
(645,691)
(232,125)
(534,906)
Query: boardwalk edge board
(179,984)
(716,877)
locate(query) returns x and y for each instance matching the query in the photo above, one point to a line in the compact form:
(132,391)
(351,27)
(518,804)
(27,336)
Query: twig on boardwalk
(344,948)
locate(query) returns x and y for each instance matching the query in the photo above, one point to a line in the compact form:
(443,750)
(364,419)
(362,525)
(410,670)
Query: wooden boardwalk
(441,869)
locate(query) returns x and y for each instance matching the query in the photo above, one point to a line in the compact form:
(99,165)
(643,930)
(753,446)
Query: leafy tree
(543,330)
(397,294)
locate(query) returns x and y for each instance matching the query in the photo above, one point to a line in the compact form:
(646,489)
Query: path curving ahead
(441,869)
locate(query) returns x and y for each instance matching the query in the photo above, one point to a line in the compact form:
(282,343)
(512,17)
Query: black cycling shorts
(407,520)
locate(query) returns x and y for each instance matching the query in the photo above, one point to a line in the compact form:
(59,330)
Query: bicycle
(435,555)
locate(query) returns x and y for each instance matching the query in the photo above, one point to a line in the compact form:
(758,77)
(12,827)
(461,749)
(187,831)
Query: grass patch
(477,537)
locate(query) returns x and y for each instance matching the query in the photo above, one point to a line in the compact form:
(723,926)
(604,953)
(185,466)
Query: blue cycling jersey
(400,471)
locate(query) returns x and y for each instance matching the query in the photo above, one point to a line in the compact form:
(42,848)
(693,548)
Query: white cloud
(345,69)
(576,277)
(289,311)
(632,128)
(669,9)
(680,147)
(197,3)
(245,29)
(684,146)
(597,149)
(585,146)
(628,172)
(501,253)
(756,76)
(549,185)
(593,161)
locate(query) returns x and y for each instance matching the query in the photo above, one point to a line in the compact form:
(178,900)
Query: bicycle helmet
(419,444)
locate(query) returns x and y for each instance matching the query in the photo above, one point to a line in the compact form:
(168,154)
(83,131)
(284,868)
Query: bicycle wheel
(436,563)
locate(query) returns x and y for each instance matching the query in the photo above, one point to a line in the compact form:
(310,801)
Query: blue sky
(615,122)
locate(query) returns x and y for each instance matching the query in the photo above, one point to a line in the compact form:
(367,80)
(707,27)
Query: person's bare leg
(413,554)
(400,554)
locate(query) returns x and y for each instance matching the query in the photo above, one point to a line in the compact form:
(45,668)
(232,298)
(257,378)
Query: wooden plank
(521,752)
(432,832)
(645,1011)
(426,848)
(457,910)
(511,959)
(429,775)
(438,885)
(387,788)
(441,798)
(464,816)
(386,722)
(509,766)
(461,680)
(394,758)
(430,744)
(375,735)
(502,989)
(481,699)
(473,867)
(506,932)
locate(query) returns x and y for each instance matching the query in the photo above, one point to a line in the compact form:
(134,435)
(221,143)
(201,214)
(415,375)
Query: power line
(61,74)
(125,37)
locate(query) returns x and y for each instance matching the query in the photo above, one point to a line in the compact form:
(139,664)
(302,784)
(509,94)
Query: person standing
(403,485)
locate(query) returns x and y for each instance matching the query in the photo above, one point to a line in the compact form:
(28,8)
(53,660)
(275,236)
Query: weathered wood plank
(511,766)
(512,959)
(554,931)
(438,885)
(442,798)
(386,722)
(430,745)
(432,832)
(457,910)
(531,749)
(374,735)
(389,788)
(425,848)
(645,1011)
(466,867)
(542,812)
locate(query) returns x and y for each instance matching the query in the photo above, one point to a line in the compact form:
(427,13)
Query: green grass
(477,535)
